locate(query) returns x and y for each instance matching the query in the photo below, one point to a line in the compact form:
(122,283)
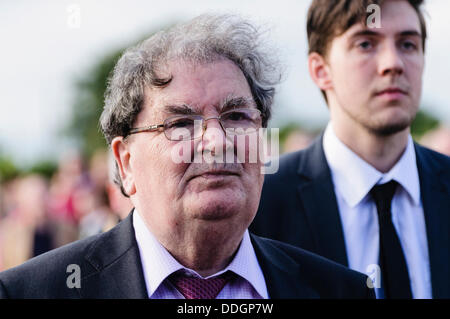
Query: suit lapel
(118,269)
(316,192)
(436,202)
(115,256)
(282,275)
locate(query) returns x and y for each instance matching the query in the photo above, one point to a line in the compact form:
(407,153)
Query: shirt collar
(245,264)
(158,263)
(405,172)
(354,177)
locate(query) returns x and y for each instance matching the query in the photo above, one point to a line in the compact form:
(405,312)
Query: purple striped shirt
(158,264)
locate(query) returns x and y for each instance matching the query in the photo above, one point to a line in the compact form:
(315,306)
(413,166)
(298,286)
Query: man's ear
(319,71)
(120,150)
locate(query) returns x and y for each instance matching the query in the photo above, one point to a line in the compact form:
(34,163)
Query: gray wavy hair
(204,39)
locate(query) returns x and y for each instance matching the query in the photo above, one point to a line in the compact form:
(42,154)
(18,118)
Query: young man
(364,194)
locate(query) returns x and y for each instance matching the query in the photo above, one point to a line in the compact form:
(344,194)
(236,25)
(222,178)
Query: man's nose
(390,60)
(214,139)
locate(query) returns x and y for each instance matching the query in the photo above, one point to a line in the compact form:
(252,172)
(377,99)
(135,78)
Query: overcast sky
(46,48)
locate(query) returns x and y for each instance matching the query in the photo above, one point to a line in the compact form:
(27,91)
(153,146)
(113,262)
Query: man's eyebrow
(365,32)
(182,109)
(372,33)
(409,33)
(228,103)
(232,102)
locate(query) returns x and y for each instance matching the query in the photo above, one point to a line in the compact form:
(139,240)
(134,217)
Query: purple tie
(197,288)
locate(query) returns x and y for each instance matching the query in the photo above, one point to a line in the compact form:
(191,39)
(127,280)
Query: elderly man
(175,95)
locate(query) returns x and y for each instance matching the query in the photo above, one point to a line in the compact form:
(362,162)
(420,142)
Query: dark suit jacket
(111,268)
(298,206)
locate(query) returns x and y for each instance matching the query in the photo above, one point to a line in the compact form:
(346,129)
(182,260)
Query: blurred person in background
(1,199)
(25,231)
(90,203)
(438,140)
(6,205)
(364,194)
(69,176)
(92,212)
(2,209)
(7,195)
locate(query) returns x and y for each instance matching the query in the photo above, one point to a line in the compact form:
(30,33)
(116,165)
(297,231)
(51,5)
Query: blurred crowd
(38,214)
(80,199)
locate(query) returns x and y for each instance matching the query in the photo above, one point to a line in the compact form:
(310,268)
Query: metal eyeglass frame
(157,127)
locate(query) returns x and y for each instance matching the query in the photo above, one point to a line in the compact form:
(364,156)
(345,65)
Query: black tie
(394,271)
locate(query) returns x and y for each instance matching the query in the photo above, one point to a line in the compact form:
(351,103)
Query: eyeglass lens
(189,127)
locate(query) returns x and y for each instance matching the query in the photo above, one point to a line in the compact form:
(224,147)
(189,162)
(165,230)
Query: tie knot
(382,195)
(192,287)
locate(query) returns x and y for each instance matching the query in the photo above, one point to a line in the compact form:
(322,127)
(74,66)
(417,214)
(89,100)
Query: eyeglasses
(188,127)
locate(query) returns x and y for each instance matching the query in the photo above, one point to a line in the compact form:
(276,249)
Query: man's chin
(391,123)
(215,205)
(390,129)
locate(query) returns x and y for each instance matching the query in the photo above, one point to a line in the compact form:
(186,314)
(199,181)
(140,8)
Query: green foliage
(291,127)
(88,105)
(7,169)
(285,130)
(422,124)
(44,168)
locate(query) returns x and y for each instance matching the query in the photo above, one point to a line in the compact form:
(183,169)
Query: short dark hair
(328,19)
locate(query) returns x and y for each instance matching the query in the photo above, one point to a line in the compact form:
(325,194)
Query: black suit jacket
(111,268)
(298,206)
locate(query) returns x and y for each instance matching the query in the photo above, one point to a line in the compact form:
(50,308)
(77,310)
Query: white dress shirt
(353,178)
(158,264)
